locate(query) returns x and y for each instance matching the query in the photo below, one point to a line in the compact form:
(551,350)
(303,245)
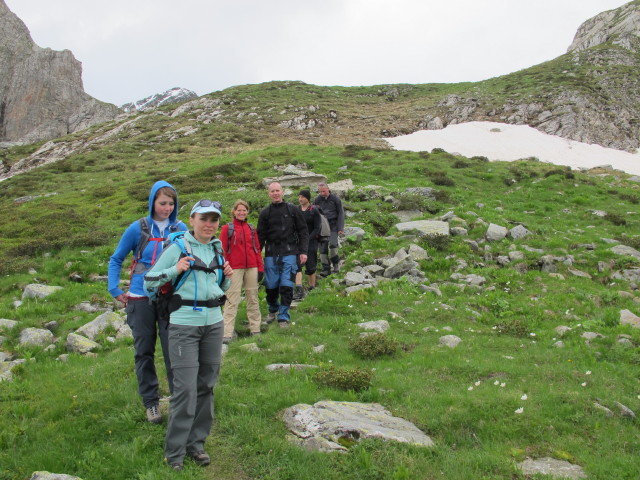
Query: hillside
(548,321)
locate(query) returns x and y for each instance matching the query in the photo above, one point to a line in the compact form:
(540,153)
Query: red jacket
(241,254)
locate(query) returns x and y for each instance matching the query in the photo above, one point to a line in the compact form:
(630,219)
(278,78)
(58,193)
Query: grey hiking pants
(142,318)
(196,354)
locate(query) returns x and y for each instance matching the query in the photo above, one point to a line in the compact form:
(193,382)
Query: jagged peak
(173,95)
(616,25)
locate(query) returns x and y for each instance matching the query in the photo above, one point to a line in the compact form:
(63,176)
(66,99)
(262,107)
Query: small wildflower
(584,384)
(470,388)
(532,334)
(502,385)
(519,410)
(524,397)
(477,384)
(588,372)
(497,382)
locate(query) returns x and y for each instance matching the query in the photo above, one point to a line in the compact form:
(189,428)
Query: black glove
(260,277)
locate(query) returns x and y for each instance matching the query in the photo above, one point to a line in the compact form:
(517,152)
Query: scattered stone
(607,412)
(325,425)
(379,326)
(79,344)
(35,290)
(52,476)
(98,325)
(250,347)
(431,289)
(591,335)
(35,337)
(559,344)
(518,232)
(450,341)
(495,233)
(426,227)
(561,330)
(318,349)
(553,467)
(6,324)
(629,318)
(624,410)
(626,250)
(578,273)
(288,366)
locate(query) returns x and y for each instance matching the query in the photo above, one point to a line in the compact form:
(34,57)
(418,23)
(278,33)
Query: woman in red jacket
(242,250)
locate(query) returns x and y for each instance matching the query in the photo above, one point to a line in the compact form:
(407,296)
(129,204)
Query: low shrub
(356,379)
(439,242)
(373,346)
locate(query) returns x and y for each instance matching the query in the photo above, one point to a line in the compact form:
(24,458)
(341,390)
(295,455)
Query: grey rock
(288,366)
(417,253)
(400,268)
(35,337)
(624,410)
(625,250)
(379,326)
(471,279)
(78,344)
(425,227)
(98,325)
(431,289)
(607,412)
(450,341)
(578,273)
(518,232)
(591,335)
(250,347)
(629,318)
(326,423)
(354,232)
(515,256)
(552,467)
(559,344)
(562,329)
(353,278)
(34,290)
(422,191)
(356,288)
(495,233)
(52,476)
(631,275)
(407,215)
(6,324)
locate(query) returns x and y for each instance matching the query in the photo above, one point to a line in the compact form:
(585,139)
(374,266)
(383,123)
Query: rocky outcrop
(41,91)
(621,26)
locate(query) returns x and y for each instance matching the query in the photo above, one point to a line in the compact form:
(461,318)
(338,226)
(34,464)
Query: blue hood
(152,196)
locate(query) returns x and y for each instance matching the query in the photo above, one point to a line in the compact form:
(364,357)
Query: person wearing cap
(195,332)
(332,208)
(145,239)
(311,216)
(283,233)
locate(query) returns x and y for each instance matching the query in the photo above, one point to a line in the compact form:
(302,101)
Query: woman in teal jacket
(195,331)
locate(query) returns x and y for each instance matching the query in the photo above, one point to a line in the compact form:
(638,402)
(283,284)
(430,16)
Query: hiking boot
(283,324)
(178,467)
(271,317)
(298,292)
(153,414)
(336,268)
(326,271)
(200,458)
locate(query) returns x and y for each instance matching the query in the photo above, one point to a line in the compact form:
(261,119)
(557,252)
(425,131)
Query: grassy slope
(83,418)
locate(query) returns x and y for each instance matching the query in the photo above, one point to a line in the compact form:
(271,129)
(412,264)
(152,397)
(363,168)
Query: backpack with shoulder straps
(325,228)
(165,297)
(230,232)
(145,238)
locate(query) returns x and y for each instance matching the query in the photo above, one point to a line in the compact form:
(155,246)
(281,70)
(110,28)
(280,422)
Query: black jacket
(282,230)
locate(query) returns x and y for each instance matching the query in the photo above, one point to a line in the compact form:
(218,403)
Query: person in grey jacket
(332,208)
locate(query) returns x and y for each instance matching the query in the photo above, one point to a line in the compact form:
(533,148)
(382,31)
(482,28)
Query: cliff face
(41,91)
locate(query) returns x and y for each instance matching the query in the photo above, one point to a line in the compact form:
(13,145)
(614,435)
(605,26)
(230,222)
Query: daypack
(230,231)
(145,238)
(165,297)
(325,228)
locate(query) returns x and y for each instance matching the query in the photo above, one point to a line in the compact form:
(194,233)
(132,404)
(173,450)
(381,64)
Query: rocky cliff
(41,91)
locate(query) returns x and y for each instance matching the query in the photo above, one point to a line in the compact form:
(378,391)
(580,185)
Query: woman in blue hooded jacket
(145,239)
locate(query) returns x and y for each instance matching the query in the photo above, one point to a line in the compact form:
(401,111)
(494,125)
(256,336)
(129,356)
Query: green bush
(356,379)
(615,218)
(373,346)
(439,242)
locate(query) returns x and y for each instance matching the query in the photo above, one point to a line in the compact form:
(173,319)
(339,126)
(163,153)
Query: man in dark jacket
(283,232)
(332,207)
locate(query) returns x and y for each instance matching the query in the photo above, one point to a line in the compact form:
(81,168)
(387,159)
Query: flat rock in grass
(426,227)
(35,290)
(6,324)
(625,250)
(380,326)
(99,324)
(52,476)
(288,366)
(450,341)
(79,344)
(578,273)
(551,466)
(629,318)
(35,337)
(495,233)
(327,425)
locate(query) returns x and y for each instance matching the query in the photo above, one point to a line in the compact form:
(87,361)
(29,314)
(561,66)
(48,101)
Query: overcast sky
(131,49)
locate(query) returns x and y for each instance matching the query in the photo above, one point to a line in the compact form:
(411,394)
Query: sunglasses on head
(209,203)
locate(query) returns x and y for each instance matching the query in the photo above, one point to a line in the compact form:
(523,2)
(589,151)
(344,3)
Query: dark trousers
(142,318)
